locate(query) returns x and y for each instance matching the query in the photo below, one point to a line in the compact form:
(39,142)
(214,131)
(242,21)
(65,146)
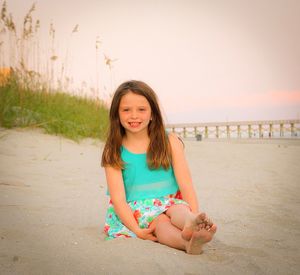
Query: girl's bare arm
(117,194)
(182,173)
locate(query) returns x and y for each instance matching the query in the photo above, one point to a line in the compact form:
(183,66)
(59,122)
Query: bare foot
(194,223)
(199,238)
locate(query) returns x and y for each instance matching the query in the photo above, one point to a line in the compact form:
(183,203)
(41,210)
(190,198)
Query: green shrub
(58,113)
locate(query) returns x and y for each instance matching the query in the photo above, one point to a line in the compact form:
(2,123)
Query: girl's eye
(125,110)
(142,109)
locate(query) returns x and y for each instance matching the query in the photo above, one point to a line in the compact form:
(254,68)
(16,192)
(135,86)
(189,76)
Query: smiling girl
(151,192)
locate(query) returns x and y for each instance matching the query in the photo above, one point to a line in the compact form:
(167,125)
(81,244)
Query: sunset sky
(217,60)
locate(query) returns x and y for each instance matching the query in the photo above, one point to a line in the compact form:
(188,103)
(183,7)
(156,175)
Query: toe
(200,218)
(213,229)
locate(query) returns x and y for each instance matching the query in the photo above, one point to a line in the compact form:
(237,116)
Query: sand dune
(53,202)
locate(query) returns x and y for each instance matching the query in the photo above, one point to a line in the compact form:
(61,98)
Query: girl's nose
(133,114)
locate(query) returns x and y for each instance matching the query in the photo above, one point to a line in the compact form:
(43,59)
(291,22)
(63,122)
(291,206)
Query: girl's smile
(134,124)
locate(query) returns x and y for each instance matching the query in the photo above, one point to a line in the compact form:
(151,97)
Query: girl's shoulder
(175,141)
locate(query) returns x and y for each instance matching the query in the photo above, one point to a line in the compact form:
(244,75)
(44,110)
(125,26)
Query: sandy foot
(199,238)
(194,223)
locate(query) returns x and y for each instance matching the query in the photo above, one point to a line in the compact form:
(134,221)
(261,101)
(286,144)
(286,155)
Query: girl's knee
(160,223)
(178,207)
(162,218)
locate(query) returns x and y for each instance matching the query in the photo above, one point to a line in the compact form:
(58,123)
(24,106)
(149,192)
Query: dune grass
(58,113)
(30,86)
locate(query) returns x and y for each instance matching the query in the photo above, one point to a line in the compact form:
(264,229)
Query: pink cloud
(279,98)
(286,97)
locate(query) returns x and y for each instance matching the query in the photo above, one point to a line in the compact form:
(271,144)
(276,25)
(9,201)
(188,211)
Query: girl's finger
(151,229)
(153,238)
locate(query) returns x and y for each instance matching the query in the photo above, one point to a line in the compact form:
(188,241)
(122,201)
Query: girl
(149,183)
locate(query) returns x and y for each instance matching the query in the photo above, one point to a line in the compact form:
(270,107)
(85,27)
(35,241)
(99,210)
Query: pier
(238,129)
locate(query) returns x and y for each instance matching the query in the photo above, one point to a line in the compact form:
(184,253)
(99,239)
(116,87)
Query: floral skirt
(144,211)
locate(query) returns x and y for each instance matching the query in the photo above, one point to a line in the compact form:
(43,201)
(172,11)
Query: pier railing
(239,129)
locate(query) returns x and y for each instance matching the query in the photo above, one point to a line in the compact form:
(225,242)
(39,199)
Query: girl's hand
(146,234)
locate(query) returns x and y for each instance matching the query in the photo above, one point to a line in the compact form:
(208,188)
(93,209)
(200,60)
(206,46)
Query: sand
(53,203)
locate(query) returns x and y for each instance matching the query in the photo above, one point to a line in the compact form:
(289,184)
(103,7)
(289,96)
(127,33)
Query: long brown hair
(159,151)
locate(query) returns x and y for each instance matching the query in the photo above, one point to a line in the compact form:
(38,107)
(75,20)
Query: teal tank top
(143,183)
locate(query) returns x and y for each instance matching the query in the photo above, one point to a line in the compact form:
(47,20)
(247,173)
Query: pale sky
(213,60)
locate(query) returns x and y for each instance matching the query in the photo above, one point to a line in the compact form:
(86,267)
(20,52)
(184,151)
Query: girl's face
(134,113)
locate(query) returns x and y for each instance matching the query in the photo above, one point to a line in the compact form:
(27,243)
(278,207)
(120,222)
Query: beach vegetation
(57,113)
(34,91)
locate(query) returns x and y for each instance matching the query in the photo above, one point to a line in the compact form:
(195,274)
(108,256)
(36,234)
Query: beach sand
(53,203)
